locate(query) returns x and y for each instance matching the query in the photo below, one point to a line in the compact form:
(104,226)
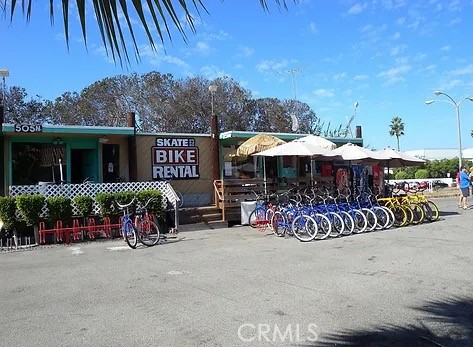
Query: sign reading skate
(175,158)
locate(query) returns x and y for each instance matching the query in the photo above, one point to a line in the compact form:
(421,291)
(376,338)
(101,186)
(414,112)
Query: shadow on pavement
(448,213)
(454,314)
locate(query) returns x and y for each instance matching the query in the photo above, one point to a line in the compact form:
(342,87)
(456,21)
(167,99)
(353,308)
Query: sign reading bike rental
(175,158)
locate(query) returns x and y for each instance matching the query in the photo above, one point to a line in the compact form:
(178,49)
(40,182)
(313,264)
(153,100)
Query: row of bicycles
(317,214)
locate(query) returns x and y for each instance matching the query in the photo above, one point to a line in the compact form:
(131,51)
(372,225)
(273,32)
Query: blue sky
(387,55)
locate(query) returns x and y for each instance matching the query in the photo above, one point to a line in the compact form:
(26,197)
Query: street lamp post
(214,137)
(456,104)
(4,74)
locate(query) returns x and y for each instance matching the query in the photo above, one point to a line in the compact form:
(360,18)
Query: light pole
(212,90)
(456,104)
(214,138)
(4,74)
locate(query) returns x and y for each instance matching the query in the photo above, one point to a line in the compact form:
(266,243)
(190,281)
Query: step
(203,226)
(187,219)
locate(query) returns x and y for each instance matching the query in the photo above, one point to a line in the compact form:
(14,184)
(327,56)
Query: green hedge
(84,205)
(7,212)
(106,202)
(29,207)
(155,206)
(59,208)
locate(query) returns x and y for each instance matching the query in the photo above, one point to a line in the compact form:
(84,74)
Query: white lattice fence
(92,189)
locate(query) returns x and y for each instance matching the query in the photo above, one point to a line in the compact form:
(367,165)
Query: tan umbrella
(258,143)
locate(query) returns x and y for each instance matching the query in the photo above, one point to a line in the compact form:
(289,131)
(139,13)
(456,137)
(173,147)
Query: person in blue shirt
(464,186)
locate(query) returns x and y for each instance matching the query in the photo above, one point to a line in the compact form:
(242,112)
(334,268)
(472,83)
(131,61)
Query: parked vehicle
(439,184)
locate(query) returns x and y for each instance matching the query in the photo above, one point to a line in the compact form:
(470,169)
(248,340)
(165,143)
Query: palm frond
(163,15)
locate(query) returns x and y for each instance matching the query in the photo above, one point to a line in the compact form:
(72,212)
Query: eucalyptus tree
(306,117)
(270,116)
(21,108)
(152,101)
(105,102)
(231,105)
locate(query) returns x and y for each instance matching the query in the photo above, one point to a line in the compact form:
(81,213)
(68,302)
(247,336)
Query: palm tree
(396,129)
(152,14)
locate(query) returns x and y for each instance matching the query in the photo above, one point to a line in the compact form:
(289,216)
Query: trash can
(246,208)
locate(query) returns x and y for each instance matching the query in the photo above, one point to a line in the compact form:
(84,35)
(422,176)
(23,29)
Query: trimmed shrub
(421,174)
(400,175)
(7,212)
(84,205)
(155,206)
(59,208)
(106,203)
(29,207)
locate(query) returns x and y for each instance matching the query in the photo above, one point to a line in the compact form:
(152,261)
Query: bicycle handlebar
(125,205)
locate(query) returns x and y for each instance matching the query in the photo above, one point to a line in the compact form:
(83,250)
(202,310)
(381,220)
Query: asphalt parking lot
(234,287)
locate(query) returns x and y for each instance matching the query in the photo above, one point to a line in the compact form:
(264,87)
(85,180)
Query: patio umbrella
(299,149)
(257,144)
(351,152)
(400,159)
(318,141)
(294,148)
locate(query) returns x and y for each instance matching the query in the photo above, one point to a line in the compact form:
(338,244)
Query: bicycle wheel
(148,232)
(382,217)
(391,218)
(371,219)
(130,235)
(409,214)
(435,211)
(348,222)
(338,227)
(324,226)
(400,216)
(278,224)
(258,220)
(304,228)
(418,213)
(269,217)
(360,220)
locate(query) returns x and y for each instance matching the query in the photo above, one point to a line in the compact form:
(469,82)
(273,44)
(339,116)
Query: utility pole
(4,74)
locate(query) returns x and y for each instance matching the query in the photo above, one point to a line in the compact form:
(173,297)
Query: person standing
(464,186)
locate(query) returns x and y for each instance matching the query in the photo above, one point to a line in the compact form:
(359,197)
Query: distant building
(438,154)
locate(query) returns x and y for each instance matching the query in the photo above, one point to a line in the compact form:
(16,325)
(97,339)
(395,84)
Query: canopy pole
(311,172)
(60,171)
(264,174)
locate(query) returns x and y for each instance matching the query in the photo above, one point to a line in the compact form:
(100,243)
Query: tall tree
(155,17)
(20,108)
(396,128)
